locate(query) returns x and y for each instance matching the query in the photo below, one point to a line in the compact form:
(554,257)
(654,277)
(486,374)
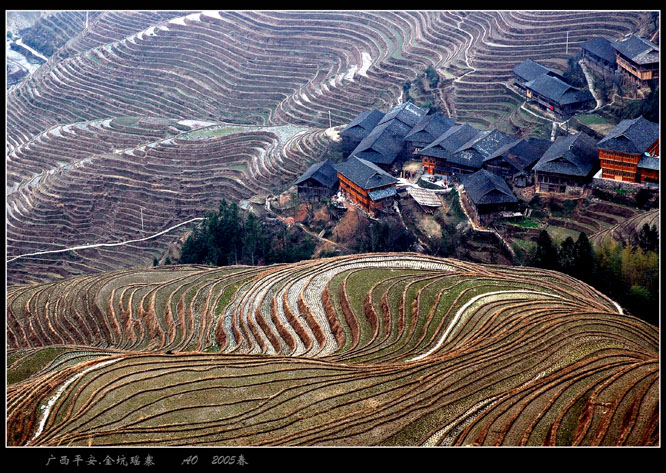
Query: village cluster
(383,149)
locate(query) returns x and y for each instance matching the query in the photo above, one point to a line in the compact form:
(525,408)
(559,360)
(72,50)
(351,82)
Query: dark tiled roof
(573,155)
(323,172)
(638,49)
(384,143)
(558,91)
(484,187)
(476,150)
(406,112)
(382,193)
(450,141)
(362,125)
(522,154)
(631,136)
(649,162)
(428,129)
(364,174)
(602,48)
(529,70)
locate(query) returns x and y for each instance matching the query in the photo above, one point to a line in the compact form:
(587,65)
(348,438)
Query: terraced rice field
(374,349)
(625,231)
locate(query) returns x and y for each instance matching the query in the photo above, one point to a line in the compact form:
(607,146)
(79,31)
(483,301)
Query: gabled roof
(649,162)
(476,150)
(384,143)
(364,174)
(484,187)
(631,136)
(573,155)
(601,47)
(449,141)
(406,112)
(521,154)
(362,125)
(558,91)
(529,70)
(488,141)
(429,128)
(324,173)
(639,50)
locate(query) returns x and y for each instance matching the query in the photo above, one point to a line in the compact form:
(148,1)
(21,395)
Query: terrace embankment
(374,349)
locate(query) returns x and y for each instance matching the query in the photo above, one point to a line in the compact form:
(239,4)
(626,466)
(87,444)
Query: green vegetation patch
(126,121)
(33,364)
(525,223)
(226,297)
(559,234)
(204,133)
(593,119)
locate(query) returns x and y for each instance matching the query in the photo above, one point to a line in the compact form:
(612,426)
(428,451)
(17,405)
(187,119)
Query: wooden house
(406,113)
(567,165)
(427,130)
(434,156)
(489,194)
(638,59)
(463,151)
(366,184)
(555,95)
(528,70)
(469,157)
(599,52)
(621,151)
(385,145)
(320,180)
(515,160)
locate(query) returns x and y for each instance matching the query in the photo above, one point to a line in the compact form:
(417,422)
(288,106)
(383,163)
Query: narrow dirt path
(97,245)
(588,78)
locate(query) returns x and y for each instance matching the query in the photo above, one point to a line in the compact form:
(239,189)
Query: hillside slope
(98,148)
(373,349)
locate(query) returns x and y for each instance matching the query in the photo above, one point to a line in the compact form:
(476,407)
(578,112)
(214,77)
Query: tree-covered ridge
(627,273)
(227,237)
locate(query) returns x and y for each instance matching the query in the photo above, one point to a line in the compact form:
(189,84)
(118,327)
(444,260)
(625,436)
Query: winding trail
(51,402)
(97,245)
(588,78)
(464,308)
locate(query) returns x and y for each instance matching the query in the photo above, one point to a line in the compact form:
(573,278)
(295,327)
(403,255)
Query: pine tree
(583,267)
(545,254)
(648,238)
(567,256)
